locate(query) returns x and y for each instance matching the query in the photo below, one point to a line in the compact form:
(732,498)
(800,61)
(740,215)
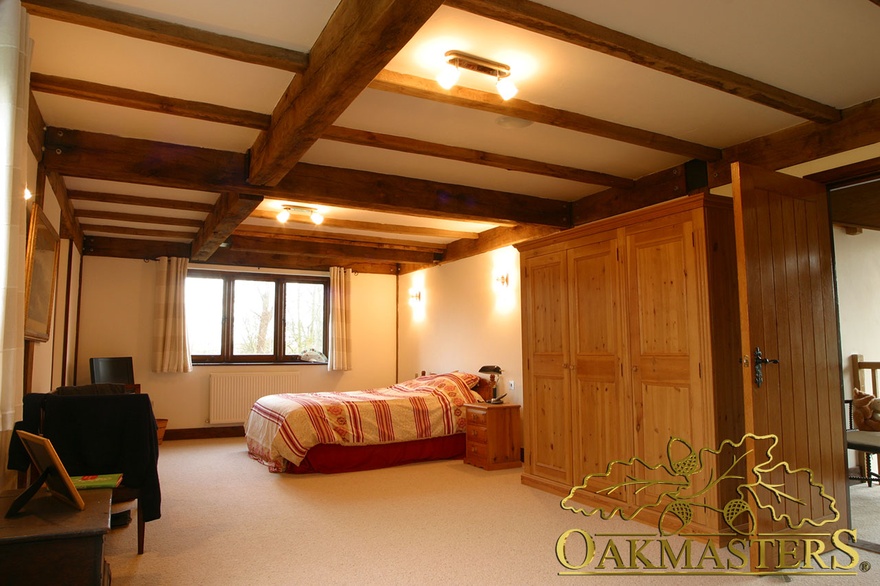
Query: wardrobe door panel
(548,403)
(665,333)
(601,426)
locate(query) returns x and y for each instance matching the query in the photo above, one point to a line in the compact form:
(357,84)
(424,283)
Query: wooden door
(665,344)
(788,309)
(546,350)
(602,403)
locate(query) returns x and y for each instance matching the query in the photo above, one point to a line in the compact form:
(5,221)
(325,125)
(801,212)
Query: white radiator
(232,395)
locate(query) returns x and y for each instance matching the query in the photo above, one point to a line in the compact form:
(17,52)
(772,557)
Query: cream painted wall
(465,319)
(858,288)
(116,320)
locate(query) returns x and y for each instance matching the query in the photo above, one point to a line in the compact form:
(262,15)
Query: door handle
(760,361)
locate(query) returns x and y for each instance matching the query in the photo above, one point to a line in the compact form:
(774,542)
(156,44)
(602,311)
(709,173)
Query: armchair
(99,434)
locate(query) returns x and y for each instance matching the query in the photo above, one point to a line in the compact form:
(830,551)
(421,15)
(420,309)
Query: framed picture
(48,464)
(41,273)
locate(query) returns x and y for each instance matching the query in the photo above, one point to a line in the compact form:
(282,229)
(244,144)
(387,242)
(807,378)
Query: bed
(415,420)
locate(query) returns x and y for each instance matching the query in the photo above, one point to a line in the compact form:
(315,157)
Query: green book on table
(96,481)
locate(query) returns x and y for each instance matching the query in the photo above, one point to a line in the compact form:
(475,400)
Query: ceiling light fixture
(286,211)
(457,60)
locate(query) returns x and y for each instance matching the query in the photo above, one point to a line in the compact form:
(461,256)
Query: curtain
(170,346)
(14,89)
(340,319)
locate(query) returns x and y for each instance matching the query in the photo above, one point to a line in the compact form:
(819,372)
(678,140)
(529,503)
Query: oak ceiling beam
(360,38)
(419,197)
(231,210)
(570,29)
(465,155)
(147,232)
(225,256)
(859,127)
(138,218)
(116,96)
(354,252)
(70,227)
(133,248)
(649,190)
(427,89)
(337,238)
(105,94)
(168,33)
(372,226)
(494,239)
(136,200)
(101,156)
(867,170)
(857,206)
(36,128)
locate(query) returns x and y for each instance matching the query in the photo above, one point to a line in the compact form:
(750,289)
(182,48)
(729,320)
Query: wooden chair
(866,443)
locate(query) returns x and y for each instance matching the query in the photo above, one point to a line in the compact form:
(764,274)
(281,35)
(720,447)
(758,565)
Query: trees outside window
(242,317)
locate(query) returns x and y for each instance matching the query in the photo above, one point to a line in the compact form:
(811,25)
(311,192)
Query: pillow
(866,411)
(437,381)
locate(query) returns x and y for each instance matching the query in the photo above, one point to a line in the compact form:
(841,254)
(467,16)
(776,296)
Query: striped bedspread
(284,427)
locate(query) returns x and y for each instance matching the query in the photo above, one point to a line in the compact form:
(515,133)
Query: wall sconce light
(313,214)
(415,297)
(503,280)
(27,194)
(458,60)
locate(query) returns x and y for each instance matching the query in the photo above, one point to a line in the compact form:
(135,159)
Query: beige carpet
(865,507)
(227,520)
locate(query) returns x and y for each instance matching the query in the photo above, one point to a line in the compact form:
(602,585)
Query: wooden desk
(50,542)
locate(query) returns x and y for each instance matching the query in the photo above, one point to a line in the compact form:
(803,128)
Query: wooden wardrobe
(630,337)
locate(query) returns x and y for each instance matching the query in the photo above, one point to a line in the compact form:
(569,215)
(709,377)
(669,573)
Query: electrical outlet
(511,385)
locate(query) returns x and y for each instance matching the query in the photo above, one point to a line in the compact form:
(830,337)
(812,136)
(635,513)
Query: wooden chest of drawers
(493,436)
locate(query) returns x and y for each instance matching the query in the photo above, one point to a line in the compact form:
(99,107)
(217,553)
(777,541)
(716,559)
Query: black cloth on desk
(93,389)
(102,434)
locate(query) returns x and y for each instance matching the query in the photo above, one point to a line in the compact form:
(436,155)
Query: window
(244,317)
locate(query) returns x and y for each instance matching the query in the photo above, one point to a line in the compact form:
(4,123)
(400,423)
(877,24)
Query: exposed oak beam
(231,210)
(417,197)
(565,27)
(326,249)
(129,231)
(97,92)
(860,126)
(337,238)
(225,256)
(131,248)
(374,226)
(465,155)
(649,190)
(419,87)
(36,128)
(360,38)
(139,218)
(136,200)
(492,239)
(168,33)
(868,170)
(203,111)
(70,227)
(857,206)
(101,156)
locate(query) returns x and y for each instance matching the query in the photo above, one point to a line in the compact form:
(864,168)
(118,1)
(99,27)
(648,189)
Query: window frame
(278,356)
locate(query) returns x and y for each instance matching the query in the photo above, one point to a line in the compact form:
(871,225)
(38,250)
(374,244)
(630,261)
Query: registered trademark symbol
(865,566)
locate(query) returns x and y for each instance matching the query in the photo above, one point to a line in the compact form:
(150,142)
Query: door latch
(760,361)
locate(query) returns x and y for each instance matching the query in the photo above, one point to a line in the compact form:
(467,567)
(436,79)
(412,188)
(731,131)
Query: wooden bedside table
(493,436)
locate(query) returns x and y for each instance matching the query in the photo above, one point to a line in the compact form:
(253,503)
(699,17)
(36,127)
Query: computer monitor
(116,369)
